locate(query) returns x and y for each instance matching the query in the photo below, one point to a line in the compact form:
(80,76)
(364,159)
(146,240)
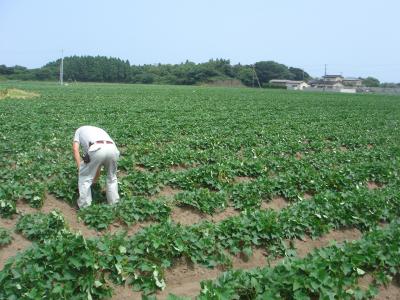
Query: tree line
(109,69)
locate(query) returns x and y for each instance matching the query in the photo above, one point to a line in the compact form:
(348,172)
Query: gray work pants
(100,155)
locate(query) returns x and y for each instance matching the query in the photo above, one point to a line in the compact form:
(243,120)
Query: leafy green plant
(41,227)
(5,237)
(247,195)
(141,183)
(7,208)
(129,210)
(34,194)
(214,177)
(66,267)
(204,200)
(65,187)
(136,209)
(98,216)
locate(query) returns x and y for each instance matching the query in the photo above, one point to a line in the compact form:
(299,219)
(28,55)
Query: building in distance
(289,84)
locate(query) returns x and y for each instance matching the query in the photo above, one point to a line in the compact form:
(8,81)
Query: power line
(62,67)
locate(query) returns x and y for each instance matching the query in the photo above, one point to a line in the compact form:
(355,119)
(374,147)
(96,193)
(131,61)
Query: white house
(297,85)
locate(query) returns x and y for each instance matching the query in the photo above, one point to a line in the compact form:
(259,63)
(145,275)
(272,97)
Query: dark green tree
(267,70)
(245,74)
(370,82)
(109,69)
(299,74)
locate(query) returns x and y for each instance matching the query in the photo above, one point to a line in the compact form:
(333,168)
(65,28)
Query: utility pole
(325,79)
(255,75)
(62,68)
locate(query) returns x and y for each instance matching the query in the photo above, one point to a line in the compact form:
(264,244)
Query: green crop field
(208,178)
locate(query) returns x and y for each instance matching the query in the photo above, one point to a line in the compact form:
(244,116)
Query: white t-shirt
(90,134)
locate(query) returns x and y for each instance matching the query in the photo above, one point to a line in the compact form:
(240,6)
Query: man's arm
(77,157)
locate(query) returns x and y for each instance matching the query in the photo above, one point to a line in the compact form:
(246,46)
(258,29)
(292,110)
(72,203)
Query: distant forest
(108,69)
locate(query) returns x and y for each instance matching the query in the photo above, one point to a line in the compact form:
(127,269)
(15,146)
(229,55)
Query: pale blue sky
(353,37)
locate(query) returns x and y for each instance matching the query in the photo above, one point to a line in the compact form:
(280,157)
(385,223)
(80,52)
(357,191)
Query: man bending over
(98,150)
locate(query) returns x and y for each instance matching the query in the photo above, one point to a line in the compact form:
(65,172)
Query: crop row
(243,196)
(327,273)
(129,211)
(142,259)
(300,178)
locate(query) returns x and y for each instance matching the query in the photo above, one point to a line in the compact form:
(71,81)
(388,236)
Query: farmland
(214,182)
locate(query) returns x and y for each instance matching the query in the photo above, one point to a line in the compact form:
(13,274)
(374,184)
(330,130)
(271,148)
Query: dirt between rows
(183,278)
(389,292)
(19,243)
(188,216)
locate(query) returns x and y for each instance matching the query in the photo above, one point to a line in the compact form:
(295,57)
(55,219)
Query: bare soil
(122,173)
(307,196)
(227,213)
(184,278)
(299,155)
(373,185)
(277,203)
(141,168)
(133,229)
(19,243)
(243,179)
(166,192)
(365,281)
(181,167)
(303,247)
(187,215)
(389,292)
(124,292)
(178,168)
